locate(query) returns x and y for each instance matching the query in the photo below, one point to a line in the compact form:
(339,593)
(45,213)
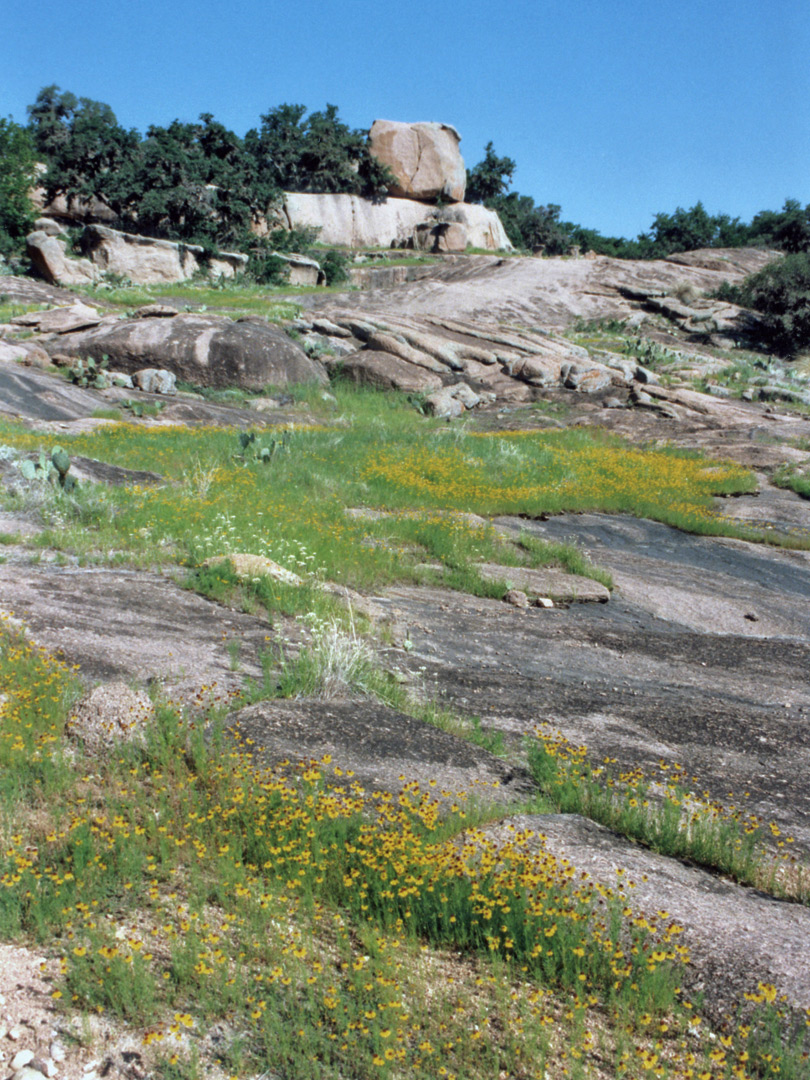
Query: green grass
(663,815)
(371,450)
(794,478)
(325,931)
(237,298)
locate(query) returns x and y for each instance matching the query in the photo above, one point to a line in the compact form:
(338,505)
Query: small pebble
(47,1068)
(57,1051)
(544,601)
(15,1033)
(21,1059)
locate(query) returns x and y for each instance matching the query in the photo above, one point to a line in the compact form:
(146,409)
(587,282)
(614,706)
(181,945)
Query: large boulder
(206,350)
(351,221)
(424,158)
(50,261)
(146,261)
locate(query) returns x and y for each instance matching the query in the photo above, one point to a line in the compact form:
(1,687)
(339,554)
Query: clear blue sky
(615,110)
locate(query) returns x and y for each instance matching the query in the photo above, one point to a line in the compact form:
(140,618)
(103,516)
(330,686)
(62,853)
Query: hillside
(412,683)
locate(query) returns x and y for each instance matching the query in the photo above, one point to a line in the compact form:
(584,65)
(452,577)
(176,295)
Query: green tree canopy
(490,178)
(17,175)
(315,153)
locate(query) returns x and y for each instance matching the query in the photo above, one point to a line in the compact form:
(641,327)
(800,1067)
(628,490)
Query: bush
(335,265)
(781,294)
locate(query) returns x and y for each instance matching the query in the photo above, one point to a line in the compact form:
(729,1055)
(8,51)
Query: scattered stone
(21,1059)
(546,582)
(254,566)
(641,397)
(644,375)
(121,379)
(326,326)
(61,320)
(451,401)
(155,381)
(49,226)
(613,403)
(587,379)
(517,598)
(301,270)
(155,311)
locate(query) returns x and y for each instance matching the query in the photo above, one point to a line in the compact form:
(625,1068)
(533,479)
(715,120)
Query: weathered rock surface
(424,157)
(146,261)
(23,352)
(551,292)
(381,745)
(670,670)
(207,350)
(36,395)
(352,221)
(126,625)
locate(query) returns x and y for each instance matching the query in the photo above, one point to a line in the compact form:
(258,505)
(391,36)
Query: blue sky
(614,110)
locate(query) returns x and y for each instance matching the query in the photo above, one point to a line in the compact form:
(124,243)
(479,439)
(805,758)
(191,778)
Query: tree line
(531,226)
(202,183)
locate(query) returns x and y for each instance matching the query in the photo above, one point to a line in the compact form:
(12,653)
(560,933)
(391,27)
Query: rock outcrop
(351,221)
(141,259)
(206,350)
(460,366)
(424,157)
(146,261)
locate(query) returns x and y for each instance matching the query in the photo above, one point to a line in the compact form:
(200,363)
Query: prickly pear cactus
(60,460)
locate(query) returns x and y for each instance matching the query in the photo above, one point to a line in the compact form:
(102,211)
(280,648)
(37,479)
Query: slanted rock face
(206,350)
(425,159)
(47,255)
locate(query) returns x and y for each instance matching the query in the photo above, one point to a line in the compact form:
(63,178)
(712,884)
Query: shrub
(781,294)
(335,265)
